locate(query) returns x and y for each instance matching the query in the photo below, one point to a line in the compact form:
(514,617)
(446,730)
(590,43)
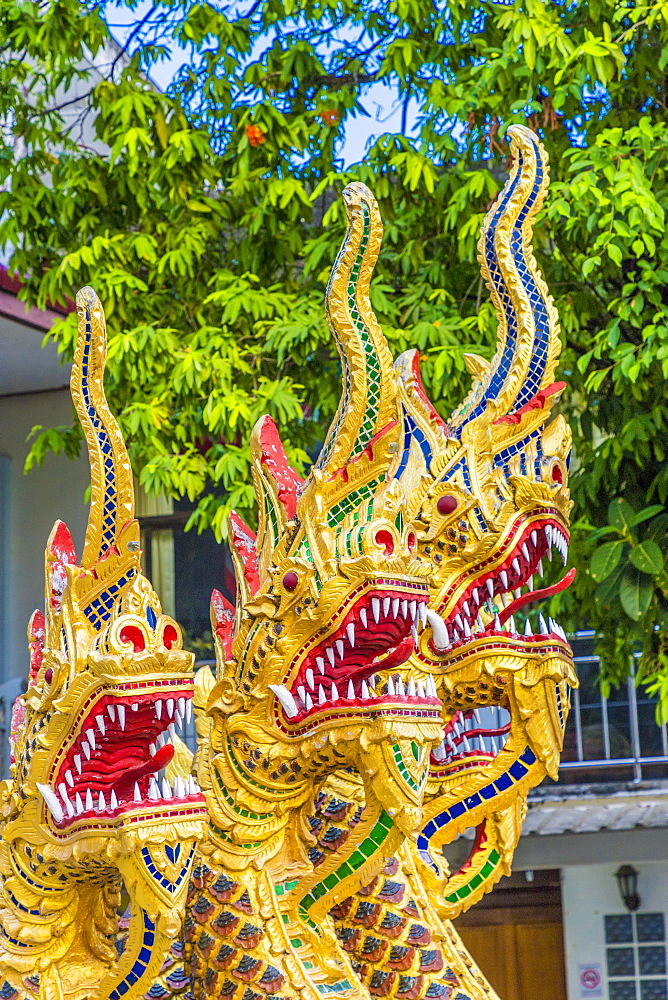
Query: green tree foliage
(207,220)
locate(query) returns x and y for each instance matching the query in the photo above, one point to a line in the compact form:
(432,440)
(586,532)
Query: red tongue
(537,595)
(397,656)
(159,760)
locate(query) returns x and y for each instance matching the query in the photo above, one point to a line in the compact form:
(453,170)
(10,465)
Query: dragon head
(331,596)
(108,683)
(490,503)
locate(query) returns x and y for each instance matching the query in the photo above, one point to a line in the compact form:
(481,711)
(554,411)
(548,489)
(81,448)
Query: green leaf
(644,515)
(605,559)
(620,514)
(647,557)
(635,593)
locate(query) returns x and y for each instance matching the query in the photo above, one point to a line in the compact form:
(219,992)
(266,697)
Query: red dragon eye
(386,541)
(130,633)
(446,504)
(412,542)
(557,474)
(48,675)
(169,636)
(290,580)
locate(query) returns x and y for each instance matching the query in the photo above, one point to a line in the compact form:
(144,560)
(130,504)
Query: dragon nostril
(446,504)
(386,541)
(412,542)
(290,580)
(557,474)
(130,633)
(169,636)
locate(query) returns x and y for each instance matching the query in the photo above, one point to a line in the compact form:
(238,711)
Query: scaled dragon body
(368,704)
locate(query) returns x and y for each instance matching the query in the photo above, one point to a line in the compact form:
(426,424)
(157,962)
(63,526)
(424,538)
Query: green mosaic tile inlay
(476,880)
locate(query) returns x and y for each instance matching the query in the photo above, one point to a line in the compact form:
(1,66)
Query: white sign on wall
(591,980)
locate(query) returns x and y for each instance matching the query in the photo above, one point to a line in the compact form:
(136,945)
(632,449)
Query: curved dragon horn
(368,402)
(528,337)
(112,494)
(276,486)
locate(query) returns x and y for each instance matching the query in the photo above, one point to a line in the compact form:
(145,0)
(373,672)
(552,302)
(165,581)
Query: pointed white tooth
(475,594)
(309,702)
(527,628)
(178,719)
(111,712)
(492,746)
(100,724)
(534,538)
(301,690)
(529,584)
(395,606)
(86,749)
(189,710)
(411,691)
(152,749)
(69,777)
(455,635)
(539,567)
(386,605)
(414,610)
(390,686)
(158,709)
(113,801)
(458,621)
(101,804)
(181,704)
(476,719)
(504,579)
(525,552)
(505,600)
(422,693)
(414,633)
(564,554)
(310,679)
(322,697)
(350,632)
(121,715)
(89,800)
(79,804)
(375,607)
(77,762)
(91,738)
(516,567)
(161,740)
(169,705)
(404,609)
(467,629)
(351,690)
(517,593)
(511,625)
(135,706)
(179,790)
(62,788)
(334,695)
(467,610)
(330,655)
(137,793)
(440,752)
(423,614)
(497,624)
(400,688)
(190,786)
(166,789)
(489,583)
(543,627)
(465,743)
(320,664)
(363,617)
(171,729)
(548,534)
(153,790)
(432,686)
(364,691)
(480,625)
(287,701)
(340,648)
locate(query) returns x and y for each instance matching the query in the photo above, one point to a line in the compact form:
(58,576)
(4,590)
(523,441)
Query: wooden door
(515,935)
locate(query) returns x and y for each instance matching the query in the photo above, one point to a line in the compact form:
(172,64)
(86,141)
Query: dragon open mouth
(121,744)
(490,601)
(378,633)
(473,738)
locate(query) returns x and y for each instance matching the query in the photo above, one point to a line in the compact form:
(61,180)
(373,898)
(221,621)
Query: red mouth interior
(499,590)
(113,763)
(378,633)
(472,738)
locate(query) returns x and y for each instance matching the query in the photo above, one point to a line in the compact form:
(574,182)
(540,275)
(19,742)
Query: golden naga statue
(372,698)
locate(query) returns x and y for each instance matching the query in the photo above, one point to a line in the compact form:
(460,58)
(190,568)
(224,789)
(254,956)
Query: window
(636,956)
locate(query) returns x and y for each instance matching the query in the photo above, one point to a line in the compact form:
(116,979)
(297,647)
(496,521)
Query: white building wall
(589,893)
(30,505)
